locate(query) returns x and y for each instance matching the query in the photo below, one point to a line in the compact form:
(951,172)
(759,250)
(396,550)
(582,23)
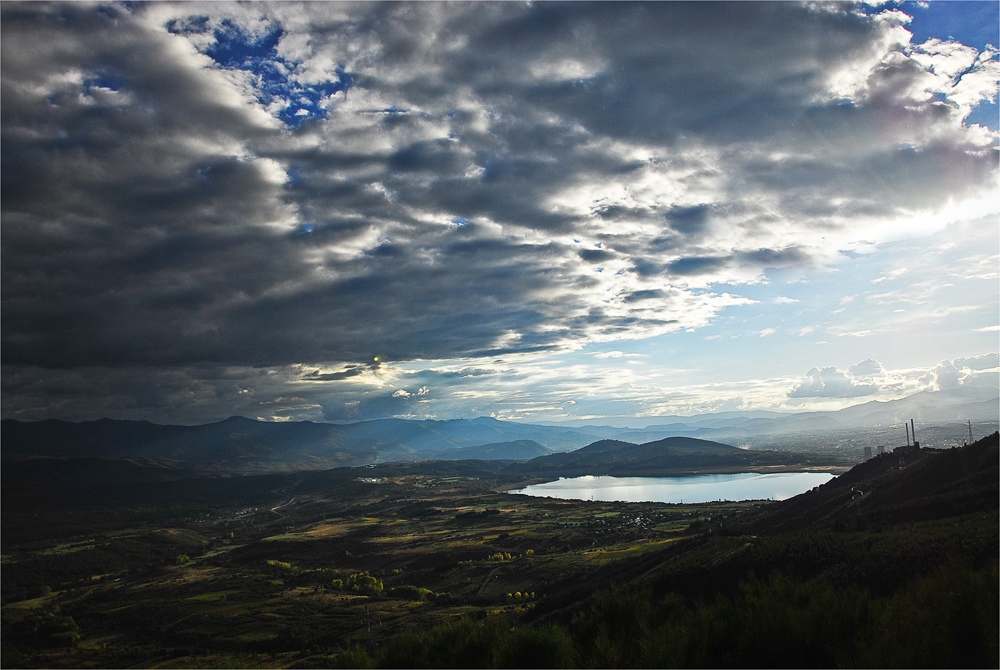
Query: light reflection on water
(692,489)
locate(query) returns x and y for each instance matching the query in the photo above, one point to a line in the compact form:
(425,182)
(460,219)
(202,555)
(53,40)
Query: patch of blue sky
(986,114)
(974,24)
(274,77)
(107,79)
(294,176)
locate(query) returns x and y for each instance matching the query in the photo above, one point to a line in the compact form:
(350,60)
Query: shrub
(355,657)
(549,646)
(407,592)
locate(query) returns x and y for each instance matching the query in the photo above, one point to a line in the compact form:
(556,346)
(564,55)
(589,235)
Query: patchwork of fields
(272,588)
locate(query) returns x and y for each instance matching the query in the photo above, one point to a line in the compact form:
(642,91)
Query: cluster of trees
(44,628)
(517,595)
(359,582)
(281,565)
(507,556)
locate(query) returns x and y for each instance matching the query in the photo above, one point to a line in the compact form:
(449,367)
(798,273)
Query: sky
(603,212)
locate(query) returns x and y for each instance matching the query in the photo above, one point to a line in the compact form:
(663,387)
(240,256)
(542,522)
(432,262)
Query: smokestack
(913,433)
(907,433)
(970,431)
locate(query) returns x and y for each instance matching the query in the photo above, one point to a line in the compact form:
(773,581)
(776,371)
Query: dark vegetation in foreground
(948,619)
(893,564)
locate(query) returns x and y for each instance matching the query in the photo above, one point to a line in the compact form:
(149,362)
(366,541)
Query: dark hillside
(908,484)
(682,446)
(236,439)
(604,447)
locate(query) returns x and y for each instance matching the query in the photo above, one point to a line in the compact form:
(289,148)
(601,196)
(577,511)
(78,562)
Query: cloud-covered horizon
(201,201)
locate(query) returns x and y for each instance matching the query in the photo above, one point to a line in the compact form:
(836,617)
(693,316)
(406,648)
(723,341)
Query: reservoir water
(692,489)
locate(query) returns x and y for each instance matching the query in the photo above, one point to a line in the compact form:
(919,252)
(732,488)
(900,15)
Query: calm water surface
(693,489)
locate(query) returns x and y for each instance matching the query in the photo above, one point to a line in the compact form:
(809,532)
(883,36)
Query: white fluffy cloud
(962,371)
(870,378)
(831,383)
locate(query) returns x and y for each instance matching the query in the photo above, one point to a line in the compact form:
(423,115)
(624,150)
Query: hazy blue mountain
(407,435)
(961,404)
(518,450)
(968,402)
(241,443)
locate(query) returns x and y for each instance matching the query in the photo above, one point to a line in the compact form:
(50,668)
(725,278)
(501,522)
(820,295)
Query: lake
(692,489)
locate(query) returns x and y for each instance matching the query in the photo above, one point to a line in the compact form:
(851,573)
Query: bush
(355,657)
(460,644)
(407,592)
(546,647)
(67,638)
(947,619)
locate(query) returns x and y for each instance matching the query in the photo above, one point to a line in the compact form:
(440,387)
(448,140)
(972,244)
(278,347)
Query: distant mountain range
(247,445)
(954,405)
(240,444)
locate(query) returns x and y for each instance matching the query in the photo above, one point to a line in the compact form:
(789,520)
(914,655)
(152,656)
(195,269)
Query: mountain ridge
(669,456)
(239,443)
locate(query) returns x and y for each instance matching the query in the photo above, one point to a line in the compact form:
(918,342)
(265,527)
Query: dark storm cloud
(733,70)
(689,220)
(221,188)
(697,265)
